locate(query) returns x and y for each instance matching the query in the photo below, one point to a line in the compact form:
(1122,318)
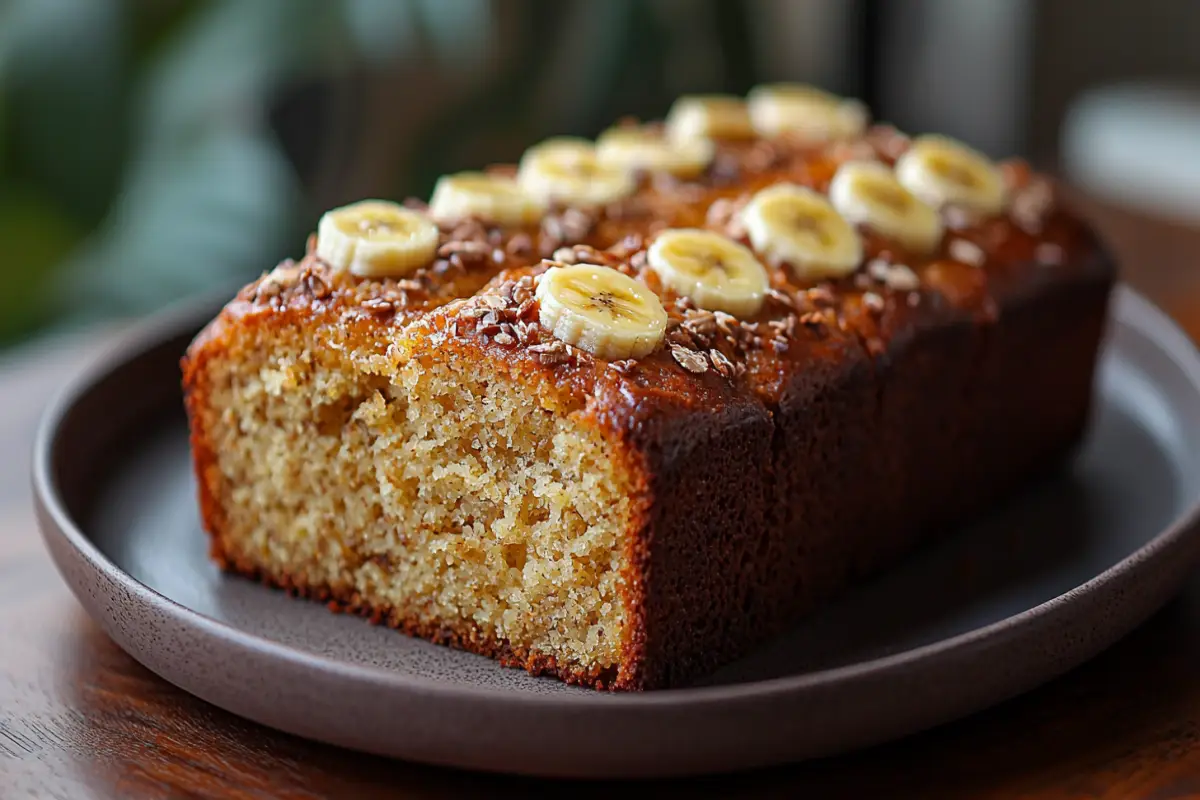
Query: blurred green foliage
(133,167)
(141,155)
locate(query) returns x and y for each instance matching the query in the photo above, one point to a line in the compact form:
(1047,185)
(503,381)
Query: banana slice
(565,170)
(867,193)
(942,171)
(564,148)
(630,148)
(717,273)
(601,310)
(713,116)
(376,239)
(489,198)
(809,113)
(793,224)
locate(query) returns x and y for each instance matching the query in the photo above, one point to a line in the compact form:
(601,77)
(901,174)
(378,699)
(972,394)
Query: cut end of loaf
(439,494)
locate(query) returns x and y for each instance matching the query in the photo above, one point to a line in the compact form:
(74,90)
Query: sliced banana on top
(600,310)
(867,193)
(562,148)
(489,198)
(376,239)
(794,224)
(809,113)
(565,170)
(631,148)
(713,116)
(942,171)
(714,271)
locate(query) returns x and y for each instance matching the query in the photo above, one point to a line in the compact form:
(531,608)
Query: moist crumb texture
(446,499)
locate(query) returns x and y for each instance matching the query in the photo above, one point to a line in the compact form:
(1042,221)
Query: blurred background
(154,149)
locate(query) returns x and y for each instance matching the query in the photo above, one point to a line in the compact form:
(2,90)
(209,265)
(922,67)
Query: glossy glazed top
(477,295)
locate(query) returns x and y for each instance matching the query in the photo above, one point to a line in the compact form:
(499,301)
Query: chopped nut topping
(821,296)
(565,255)
(726,167)
(724,215)
(701,323)
(958,218)
(762,156)
(526,308)
(379,306)
(551,352)
(267,289)
(476,249)
(852,150)
(685,191)
(813,320)
(894,276)
(782,298)
(785,327)
(582,254)
(1031,204)
(468,231)
(689,359)
(699,340)
(901,278)
(317,285)
(627,246)
(726,323)
(967,252)
(888,141)
(872,302)
(722,364)
(277,281)
(550,359)
(520,245)
(630,208)
(624,367)
(569,226)
(526,332)
(877,268)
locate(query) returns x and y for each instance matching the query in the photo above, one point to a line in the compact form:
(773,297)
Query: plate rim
(1128,307)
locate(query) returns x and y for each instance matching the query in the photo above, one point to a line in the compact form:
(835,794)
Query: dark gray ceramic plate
(1035,588)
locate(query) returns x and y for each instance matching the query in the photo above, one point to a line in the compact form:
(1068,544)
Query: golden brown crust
(196,401)
(857,416)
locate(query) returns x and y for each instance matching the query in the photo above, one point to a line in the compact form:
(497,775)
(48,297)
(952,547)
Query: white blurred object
(1136,146)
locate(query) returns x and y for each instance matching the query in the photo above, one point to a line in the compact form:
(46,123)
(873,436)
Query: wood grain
(80,719)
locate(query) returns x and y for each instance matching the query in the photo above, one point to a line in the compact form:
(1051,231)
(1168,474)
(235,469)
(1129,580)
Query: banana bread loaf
(624,410)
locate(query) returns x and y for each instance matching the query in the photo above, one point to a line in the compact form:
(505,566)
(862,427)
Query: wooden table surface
(80,719)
